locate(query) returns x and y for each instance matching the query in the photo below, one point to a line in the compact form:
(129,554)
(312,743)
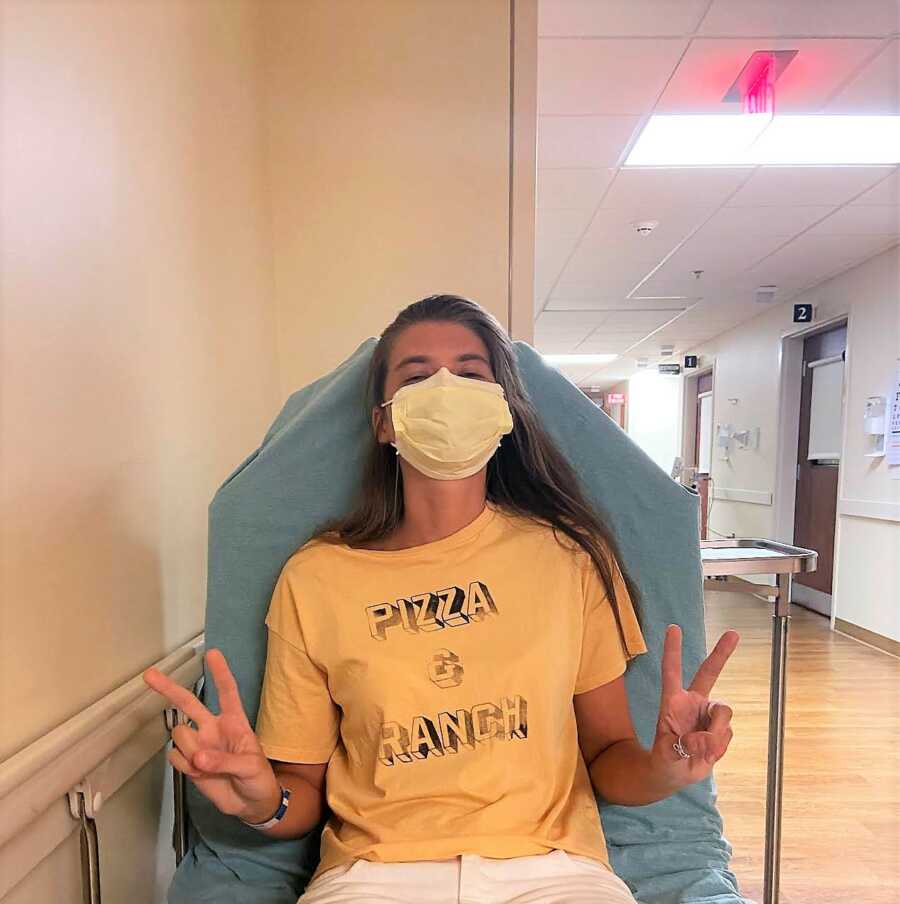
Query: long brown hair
(527,475)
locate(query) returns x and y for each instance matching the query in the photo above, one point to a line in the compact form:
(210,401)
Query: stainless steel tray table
(743,556)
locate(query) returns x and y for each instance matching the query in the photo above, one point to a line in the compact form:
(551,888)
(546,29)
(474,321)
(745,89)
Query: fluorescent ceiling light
(763,140)
(579,359)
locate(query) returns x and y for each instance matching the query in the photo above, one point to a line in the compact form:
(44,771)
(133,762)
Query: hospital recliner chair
(303,474)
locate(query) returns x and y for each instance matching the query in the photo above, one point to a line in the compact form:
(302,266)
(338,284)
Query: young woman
(445,666)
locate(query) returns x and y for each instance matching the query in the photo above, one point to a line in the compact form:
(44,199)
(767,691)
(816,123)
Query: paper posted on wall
(892,440)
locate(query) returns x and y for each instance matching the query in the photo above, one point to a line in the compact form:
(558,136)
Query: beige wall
(388,130)
(138,362)
(138,331)
(205,204)
(867,573)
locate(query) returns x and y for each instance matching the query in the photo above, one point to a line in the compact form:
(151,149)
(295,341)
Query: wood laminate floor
(841,805)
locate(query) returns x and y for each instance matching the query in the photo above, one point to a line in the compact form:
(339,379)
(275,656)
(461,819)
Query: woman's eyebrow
(412,359)
(425,359)
(474,357)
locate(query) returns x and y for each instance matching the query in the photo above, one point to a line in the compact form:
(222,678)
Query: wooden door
(702,387)
(815,510)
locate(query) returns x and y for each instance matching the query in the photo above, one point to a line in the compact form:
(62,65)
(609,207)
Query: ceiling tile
(609,304)
(876,89)
(740,287)
(571,188)
(710,66)
(716,313)
(604,76)
(679,340)
(648,192)
(617,262)
(553,345)
(583,141)
(606,285)
(550,256)
(738,222)
(584,18)
(869,219)
(813,186)
(557,223)
(810,258)
(801,17)
(628,321)
(885,192)
(719,255)
(553,245)
(556,321)
(601,342)
(587,275)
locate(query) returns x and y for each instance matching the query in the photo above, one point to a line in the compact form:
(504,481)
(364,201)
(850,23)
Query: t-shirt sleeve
(603,657)
(298,722)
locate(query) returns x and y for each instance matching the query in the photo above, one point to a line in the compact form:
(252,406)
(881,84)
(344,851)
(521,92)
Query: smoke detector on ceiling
(645,227)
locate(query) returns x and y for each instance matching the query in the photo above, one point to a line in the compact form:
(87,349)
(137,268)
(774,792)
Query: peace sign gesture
(222,755)
(688,718)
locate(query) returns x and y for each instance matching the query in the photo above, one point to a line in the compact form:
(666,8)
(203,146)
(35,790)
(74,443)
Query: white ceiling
(605,66)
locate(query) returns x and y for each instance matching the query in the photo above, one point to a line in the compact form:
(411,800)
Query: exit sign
(615,398)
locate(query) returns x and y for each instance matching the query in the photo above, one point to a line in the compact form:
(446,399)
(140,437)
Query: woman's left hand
(703,725)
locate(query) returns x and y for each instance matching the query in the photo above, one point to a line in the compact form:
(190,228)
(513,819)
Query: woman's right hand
(222,756)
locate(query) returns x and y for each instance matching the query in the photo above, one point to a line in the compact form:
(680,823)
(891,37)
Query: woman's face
(422,350)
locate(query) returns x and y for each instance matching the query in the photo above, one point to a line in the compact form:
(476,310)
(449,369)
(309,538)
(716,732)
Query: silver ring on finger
(678,747)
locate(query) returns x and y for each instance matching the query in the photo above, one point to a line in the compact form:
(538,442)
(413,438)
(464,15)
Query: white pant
(554,878)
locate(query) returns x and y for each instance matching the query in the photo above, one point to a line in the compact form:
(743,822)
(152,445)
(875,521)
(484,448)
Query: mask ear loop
(396,480)
(396,467)
(498,469)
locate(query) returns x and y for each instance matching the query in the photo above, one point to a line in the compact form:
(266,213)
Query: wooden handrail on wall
(92,754)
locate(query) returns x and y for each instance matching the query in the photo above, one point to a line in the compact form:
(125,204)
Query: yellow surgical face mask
(448,427)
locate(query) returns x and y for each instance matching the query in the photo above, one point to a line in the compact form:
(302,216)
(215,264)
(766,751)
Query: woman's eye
(473,375)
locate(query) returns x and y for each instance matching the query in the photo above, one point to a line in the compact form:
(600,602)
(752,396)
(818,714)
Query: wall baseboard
(886,644)
(861,508)
(730,494)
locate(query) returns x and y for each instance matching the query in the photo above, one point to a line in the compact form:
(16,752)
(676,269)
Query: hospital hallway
(842,758)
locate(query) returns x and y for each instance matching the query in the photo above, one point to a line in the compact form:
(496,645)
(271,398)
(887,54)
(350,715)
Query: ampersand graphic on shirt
(445,669)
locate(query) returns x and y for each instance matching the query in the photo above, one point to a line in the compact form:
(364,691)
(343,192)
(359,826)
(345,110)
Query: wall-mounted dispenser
(728,438)
(874,421)
(724,436)
(747,439)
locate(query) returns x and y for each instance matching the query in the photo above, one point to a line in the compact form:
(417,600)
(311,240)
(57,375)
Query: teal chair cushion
(304,473)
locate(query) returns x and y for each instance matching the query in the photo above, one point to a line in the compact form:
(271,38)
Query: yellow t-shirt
(437,683)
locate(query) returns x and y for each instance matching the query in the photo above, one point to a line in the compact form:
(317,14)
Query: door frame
(689,406)
(790,372)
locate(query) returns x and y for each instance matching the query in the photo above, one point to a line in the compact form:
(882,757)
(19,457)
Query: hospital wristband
(279,813)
